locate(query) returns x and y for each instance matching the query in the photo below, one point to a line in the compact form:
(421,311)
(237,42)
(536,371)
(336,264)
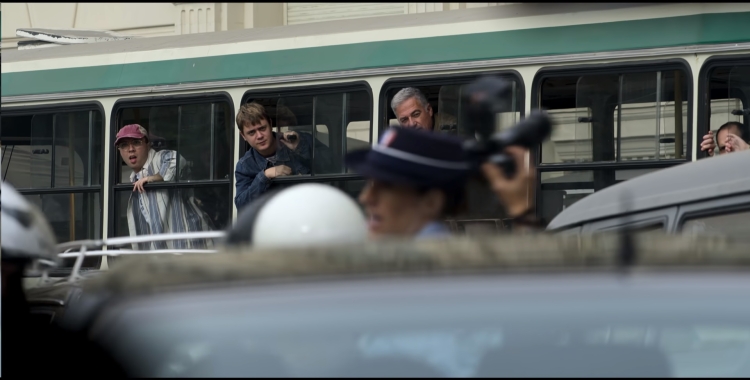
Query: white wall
(164,19)
(140,19)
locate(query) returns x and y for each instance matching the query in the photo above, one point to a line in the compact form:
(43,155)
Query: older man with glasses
(159,210)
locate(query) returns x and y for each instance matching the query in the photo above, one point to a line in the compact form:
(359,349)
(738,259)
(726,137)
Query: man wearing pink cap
(163,210)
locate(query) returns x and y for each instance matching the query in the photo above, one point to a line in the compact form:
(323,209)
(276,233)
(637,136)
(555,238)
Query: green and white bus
(632,88)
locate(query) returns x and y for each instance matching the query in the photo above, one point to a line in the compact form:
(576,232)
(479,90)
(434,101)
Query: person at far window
(163,210)
(412,109)
(729,138)
(416,180)
(273,155)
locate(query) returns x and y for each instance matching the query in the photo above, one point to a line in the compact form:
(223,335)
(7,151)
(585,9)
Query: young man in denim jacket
(271,157)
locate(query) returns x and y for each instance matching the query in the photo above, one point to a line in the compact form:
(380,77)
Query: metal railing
(80,249)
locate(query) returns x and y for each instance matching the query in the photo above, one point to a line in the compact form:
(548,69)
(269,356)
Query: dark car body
(508,306)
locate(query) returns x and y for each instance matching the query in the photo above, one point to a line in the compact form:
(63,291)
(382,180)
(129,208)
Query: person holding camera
(730,137)
(271,157)
(515,193)
(415,180)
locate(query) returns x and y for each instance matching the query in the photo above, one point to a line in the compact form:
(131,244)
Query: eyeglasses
(125,145)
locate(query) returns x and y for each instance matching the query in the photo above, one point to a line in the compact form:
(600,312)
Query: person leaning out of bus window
(272,155)
(412,110)
(416,180)
(730,137)
(159,210)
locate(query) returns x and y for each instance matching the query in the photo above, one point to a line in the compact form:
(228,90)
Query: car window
(735,225)
(644,229)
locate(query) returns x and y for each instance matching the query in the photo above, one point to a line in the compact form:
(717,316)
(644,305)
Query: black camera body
(484,99)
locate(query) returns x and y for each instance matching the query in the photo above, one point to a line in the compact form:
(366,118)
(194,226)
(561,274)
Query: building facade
(164,19)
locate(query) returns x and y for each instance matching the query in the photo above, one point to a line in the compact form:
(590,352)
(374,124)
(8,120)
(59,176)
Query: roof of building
(311,29)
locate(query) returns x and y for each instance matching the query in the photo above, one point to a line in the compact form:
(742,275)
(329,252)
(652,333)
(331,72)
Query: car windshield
(458,326)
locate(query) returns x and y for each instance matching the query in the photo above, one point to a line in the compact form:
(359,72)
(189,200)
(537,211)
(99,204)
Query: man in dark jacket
(271,157)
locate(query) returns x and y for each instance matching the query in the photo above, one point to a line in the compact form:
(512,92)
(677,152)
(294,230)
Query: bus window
(606,118)
(482,211)
(721,112)
(729,87)
(197,135)
(446,103)
(357,135)
(54,159)
(200,132)
(295,114)
(342,121)
(612,118)
(451,105)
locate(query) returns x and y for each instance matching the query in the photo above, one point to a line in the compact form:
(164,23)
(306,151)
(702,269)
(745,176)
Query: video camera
(484,99)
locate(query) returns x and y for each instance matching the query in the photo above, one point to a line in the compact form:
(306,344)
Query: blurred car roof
(709,178)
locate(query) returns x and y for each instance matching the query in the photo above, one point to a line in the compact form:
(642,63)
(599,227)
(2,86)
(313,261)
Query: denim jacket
(251,181)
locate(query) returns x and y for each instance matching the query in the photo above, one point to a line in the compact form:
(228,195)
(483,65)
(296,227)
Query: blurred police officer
(30,350)
(415,180)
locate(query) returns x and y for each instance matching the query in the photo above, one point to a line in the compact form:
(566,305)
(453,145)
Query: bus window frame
(616,68)
(704,103)
(161,101)
(310,90)
(91,105)
(443,80)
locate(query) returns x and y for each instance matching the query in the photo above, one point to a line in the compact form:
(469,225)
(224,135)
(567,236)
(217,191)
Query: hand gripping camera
(484,98)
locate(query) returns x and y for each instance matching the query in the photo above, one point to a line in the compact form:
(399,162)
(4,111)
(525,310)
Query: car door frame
(666,216)
(711,207)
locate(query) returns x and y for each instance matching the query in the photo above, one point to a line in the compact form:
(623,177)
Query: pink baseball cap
(132,131)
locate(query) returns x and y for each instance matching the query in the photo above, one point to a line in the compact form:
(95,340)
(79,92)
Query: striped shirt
(165,210)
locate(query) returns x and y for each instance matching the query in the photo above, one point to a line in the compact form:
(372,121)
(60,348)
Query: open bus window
(616,117)
(729,87)
(200,132)
(451,105)
(193,140)
(341,121)
(447,107)
(54,160)
(482,212)
(606,118)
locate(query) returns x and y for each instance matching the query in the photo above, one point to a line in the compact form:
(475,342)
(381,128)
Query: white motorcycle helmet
(300,216)
(26,234)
